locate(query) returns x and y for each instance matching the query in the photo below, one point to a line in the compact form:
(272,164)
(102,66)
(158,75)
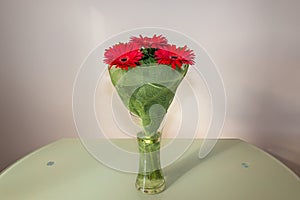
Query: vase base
(153,190)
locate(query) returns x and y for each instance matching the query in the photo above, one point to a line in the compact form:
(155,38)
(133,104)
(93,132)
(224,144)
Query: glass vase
(150,178)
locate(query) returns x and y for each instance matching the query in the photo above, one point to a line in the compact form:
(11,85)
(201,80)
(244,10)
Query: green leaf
(147,97)
(148,91)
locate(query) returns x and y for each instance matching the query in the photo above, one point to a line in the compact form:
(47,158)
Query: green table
(234,169)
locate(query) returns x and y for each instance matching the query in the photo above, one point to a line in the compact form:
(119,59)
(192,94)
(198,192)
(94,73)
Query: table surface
(233,170)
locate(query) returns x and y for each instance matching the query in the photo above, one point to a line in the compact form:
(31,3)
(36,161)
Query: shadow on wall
(274,123)
(292,165)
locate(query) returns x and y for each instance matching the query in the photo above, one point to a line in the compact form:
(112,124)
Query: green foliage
(149,56)
(148,91)
(148,97)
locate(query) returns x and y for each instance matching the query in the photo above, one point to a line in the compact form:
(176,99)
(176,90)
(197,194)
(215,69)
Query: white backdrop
(255,44)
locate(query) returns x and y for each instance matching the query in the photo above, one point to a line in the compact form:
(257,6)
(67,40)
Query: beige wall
(255,44)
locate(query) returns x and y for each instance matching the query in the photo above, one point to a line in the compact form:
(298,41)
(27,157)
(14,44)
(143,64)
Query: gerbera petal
(147,42)
(114,54)
(171,55)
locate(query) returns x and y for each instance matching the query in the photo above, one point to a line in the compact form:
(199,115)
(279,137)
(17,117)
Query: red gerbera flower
(146,42)
(123,55)
(171,55)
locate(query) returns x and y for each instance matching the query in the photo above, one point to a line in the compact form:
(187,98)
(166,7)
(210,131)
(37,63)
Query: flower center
(124,59)
(174,57)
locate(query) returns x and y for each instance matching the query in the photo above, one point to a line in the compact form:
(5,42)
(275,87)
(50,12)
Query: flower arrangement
(144,50)
(153,56)
(146,72)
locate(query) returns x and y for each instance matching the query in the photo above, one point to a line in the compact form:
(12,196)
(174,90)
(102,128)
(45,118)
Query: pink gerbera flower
(176,57)
(147,42)
(123,55)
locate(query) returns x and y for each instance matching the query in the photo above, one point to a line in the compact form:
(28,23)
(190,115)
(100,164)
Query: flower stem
(150,179)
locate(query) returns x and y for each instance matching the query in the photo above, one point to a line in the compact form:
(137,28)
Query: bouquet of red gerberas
(145,50)
(150,66)
(146,72)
